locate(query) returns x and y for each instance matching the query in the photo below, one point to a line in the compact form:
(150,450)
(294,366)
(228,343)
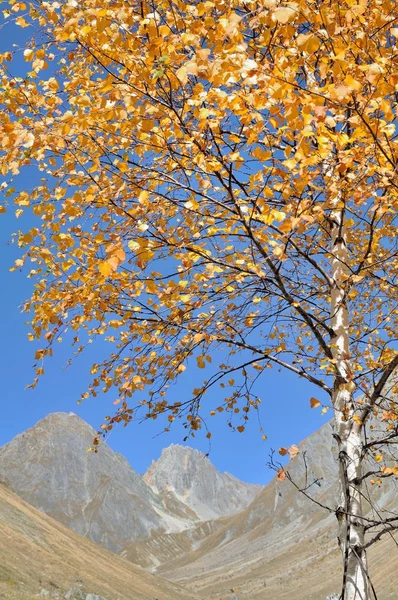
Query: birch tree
(217,178)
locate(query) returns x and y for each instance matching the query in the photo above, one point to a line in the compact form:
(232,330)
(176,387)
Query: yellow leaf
(352,83)
(105,268)
(147,125)
(278,215)
(308,42)
(143,197)
(278,252)
(314,403)
(21,22)
(201,361)
(192,204)
(284,14)
(293,451)
(28,54)
(85,29)
(388,470)
(123,167)
(133,245)
(378,458)
(29,140)
(144,257)
(350,387)
(190,68)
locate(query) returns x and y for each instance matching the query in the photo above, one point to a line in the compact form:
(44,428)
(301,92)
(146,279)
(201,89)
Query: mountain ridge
(99,495)
(278,543)
(190,475)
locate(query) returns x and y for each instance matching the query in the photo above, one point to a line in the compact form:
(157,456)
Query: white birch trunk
(347,430)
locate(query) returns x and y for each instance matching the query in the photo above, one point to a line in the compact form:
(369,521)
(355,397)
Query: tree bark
(348,431)
(351,527)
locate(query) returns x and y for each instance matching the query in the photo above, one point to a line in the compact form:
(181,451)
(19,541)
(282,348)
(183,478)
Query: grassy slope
(262,554)
(303,566)
(38,552)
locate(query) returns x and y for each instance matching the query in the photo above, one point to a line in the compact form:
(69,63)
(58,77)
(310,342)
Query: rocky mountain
(190,476)
(40,558)
(277,511)
(283,544)
(276,537)
(193,525)
(101,497)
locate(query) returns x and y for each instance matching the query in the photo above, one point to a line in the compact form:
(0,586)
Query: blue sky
(285,411)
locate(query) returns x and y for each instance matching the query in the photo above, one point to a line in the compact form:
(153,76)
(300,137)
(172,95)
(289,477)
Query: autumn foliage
(191,156)
(217,178)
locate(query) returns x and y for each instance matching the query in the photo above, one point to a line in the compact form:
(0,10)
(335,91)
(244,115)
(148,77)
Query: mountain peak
(60,414)
(180,449)
(98,495)
(61,418)
(102,497)
(189,474)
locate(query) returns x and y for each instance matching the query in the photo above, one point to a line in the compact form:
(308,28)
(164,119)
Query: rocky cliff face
(278,519)
(190,476)
(99,496)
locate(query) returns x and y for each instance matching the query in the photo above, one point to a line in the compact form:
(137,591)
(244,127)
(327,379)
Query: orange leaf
(314,403)
(281,475)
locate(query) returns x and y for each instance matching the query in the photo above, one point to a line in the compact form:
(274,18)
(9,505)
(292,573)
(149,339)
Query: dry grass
(271,559)
(37,552)
(303,567)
